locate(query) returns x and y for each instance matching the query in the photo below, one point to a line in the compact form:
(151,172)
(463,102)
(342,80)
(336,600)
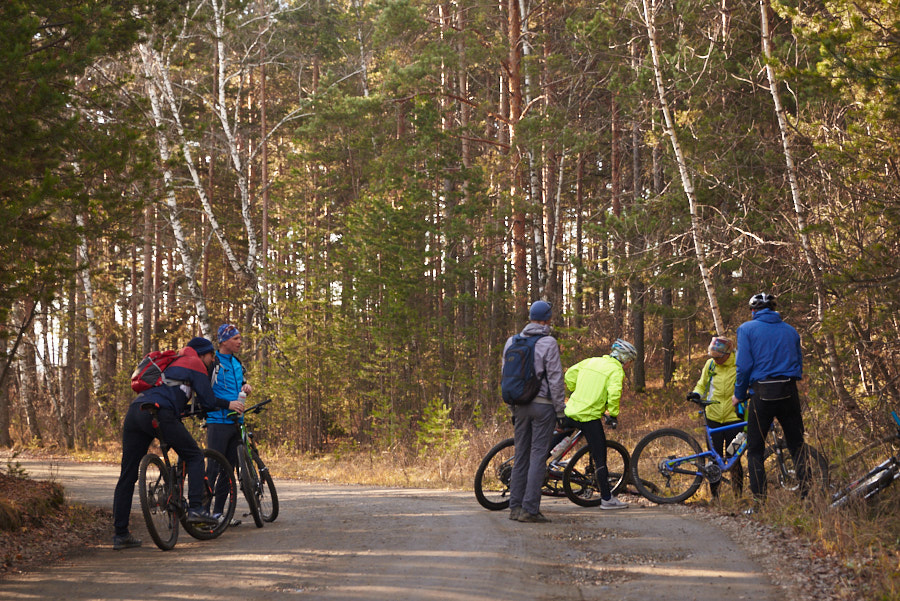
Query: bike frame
(711,453)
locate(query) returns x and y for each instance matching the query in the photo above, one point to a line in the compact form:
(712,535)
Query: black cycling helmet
(763,300)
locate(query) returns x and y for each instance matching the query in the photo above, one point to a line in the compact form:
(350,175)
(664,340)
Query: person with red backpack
(185,378)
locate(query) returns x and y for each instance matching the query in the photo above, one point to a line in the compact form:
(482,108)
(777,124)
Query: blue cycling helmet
(623,351)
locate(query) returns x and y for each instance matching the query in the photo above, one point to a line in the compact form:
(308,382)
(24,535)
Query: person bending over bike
(596,387)
(716,384)
(192,372)
(769,363)
(222,433)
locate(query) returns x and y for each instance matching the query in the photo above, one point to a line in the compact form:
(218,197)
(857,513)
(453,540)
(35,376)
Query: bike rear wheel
(657,470)
(250,484)
(218,482)
(782,471)
(580,474)
(493,476)
(158,502)
(268,498)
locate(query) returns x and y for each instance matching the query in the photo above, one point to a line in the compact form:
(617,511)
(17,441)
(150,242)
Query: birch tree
(834,365)
(93,344)
(649,17)
(148,63)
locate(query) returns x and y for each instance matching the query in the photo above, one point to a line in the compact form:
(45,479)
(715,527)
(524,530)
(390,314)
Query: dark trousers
(760,415)
(720,441)
(137,435)
(225,439)
(596,439)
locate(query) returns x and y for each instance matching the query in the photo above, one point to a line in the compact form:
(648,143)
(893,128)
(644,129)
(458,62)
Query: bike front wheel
(268,498)
(580,474)
(250,484)
(664,466)
(219,496)
(158,502)
(493,476)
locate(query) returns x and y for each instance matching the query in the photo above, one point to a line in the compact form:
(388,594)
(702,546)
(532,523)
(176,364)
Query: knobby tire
(268,498)
(579,475)
(156,491)
(493,476)
(781,471)
(249,484)
(661,483)
(218,480)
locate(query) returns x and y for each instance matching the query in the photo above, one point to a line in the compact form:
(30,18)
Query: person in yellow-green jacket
(716,384)
(596,387)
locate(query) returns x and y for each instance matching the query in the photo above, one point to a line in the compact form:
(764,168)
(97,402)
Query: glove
(693,397)
(612,422)
(741,409)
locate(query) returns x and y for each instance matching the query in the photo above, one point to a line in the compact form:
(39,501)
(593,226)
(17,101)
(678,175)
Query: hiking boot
(201,516)
(538,518)
(613,503)
(126,542)
(514,513)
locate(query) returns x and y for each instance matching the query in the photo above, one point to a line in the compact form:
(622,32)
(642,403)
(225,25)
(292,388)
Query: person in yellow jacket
(596,387)
(716,384)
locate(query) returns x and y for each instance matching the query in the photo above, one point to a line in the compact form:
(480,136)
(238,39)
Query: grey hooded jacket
(546,359)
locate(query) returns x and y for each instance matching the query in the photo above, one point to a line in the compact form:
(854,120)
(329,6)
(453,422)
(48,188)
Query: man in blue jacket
(191,371)
(221,432)
(769,363)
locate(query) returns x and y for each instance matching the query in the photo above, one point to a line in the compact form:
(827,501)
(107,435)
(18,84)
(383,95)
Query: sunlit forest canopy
(375,191)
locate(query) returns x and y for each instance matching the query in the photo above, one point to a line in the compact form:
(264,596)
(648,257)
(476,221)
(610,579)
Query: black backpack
(519,383)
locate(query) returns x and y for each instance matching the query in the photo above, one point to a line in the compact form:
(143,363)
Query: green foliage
(436,433)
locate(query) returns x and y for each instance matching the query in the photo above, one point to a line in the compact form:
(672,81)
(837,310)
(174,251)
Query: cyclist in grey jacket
(534,422)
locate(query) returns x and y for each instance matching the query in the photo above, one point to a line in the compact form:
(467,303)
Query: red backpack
(149,372)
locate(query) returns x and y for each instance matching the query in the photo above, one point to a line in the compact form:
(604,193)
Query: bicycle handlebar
(252,408)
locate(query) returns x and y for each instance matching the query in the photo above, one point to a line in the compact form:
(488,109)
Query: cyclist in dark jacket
(769,363)
(192,372)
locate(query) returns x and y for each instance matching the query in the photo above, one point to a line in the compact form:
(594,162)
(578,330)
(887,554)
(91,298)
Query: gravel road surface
(383,544)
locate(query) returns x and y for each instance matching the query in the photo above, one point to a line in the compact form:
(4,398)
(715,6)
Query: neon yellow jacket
(716,383)
(596,386)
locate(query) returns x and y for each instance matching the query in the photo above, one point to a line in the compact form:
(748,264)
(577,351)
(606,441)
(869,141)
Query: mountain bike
(570,471)
(878,478)
(254,477)
(668,465)
(162,489)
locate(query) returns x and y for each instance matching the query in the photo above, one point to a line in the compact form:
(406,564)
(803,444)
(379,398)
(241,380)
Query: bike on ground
(867,483)
(162,488)
(570,471)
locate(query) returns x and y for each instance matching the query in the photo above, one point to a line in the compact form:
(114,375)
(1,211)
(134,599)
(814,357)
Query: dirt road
(376,544)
